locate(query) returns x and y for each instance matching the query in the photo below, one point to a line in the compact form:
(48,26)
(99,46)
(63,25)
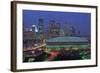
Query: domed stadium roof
(68,39)
(67,42)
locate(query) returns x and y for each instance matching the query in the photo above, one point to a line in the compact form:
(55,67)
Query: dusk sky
(81,21)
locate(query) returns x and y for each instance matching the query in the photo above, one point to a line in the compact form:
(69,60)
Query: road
(34,47)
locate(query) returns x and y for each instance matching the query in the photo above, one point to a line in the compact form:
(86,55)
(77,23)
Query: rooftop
(67,39)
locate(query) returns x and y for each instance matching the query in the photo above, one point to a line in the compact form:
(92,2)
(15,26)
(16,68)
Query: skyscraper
(53,29)
(69,30)
(41,29)
(40,26)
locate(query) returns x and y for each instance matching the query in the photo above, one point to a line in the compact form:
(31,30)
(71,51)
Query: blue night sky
(81,21)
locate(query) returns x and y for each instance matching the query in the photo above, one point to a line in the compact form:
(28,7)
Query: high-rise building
(69,30)
(41,29)
(53,29)
(62,33)
(41,26)
(33,28)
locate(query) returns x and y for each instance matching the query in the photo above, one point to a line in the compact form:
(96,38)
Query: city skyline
(79,21)
(55,36)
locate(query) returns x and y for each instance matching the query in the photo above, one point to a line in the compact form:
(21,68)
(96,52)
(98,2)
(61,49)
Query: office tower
(41,29)
(53,29)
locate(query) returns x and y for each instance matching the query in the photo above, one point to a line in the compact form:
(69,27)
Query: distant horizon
(80,21)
